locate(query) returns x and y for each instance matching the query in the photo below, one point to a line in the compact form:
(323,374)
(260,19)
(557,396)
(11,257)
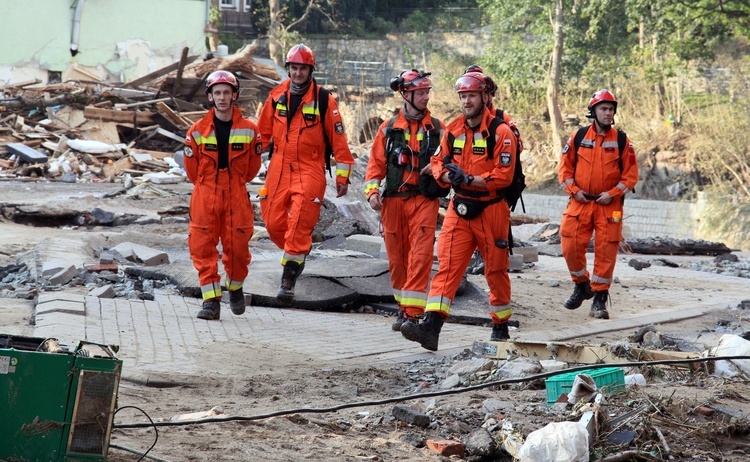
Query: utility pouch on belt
(468,208)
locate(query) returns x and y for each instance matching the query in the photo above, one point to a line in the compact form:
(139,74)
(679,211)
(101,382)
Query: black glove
(456,175)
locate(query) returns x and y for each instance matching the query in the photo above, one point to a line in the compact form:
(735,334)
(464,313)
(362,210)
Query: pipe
(76,28)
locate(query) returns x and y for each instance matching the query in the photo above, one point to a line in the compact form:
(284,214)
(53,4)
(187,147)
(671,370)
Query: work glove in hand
(456,175)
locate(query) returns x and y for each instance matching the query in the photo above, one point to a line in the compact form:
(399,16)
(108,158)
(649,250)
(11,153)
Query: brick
(447,448)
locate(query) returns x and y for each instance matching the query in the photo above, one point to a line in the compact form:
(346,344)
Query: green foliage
(417,21)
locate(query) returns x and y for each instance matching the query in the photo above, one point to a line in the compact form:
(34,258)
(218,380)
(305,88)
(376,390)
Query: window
(248,5)
(228,4)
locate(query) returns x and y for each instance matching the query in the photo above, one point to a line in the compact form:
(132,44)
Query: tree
(280,36)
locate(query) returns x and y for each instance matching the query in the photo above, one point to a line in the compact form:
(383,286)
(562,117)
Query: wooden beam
(111,115)
(158,73)
(174,117)
(180,68)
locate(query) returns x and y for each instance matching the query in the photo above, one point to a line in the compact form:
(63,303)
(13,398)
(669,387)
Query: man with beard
(478,216)
(299,120)
(400,155)
(598,167)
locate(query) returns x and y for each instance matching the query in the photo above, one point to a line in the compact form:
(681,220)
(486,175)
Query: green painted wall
(121,35)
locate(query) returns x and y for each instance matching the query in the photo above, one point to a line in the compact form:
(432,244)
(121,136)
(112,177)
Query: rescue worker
(296,131)
(400,155)
(222,154)
(596,177)
(476,263)
(477,216)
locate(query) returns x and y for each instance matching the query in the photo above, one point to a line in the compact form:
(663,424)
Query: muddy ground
(266,398)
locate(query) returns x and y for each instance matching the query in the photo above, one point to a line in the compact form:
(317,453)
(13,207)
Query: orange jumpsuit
(488,232)
(220,208)
(596,170)
(409,218)
(295,180)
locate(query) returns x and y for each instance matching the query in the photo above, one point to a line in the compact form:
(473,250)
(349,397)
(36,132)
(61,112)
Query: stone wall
(642,218)
(397,51)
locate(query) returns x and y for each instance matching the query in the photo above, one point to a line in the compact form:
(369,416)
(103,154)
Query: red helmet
(602,96)
(222,77)
(473,68)
(300,54)
(411,81)
(471,81)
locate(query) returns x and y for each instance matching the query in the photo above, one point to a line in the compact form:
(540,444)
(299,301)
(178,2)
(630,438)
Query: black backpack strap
(323,109)
(622,139)
(491,137)
(580,135)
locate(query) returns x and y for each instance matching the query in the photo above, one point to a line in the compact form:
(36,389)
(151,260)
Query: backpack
(395,143)
(512,193)
(622,139)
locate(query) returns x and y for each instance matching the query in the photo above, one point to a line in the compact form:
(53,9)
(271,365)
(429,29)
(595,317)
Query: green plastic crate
(609,380)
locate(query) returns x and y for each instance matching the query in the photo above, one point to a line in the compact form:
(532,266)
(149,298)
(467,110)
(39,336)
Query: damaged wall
(118,40)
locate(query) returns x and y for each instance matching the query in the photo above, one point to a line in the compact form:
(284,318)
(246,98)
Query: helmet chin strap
(411,103)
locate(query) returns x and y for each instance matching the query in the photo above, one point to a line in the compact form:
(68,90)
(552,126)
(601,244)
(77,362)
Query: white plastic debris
(558,441)
(93,146)
(635,379)
(732,345)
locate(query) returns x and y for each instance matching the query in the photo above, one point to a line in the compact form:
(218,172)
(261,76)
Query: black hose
(423,395)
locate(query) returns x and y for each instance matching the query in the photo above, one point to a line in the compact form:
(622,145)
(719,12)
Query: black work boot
(237,301)
(426,333)
(580,293)
(599,306)
(292,270)
(400,319)
(500,333)
(210,310)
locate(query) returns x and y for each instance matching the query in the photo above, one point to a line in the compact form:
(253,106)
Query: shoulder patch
(339,128)
(335,112)
(257,148)
(506,142)
(566,148)
(505,159)
(188,151)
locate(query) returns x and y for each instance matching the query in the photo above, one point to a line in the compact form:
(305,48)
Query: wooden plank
(170,135)
(158,73)
(171,115)
(115,168)
(180,68)
(111,115)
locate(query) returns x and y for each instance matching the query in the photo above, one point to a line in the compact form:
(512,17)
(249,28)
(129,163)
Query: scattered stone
(493,406)
(103,292)
(480,443)
(411,416)
(520,367)
(415,439)
(638,264)
(471,366)
(64,276)
(451,382)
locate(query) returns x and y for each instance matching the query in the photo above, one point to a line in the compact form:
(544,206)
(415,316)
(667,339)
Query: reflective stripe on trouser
(409,236)
(219,212)
(456,243)
(292,207)
(578,224)
(287,257)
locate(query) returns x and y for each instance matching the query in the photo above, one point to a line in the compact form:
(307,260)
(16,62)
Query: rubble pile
(90,130)
(636,422)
